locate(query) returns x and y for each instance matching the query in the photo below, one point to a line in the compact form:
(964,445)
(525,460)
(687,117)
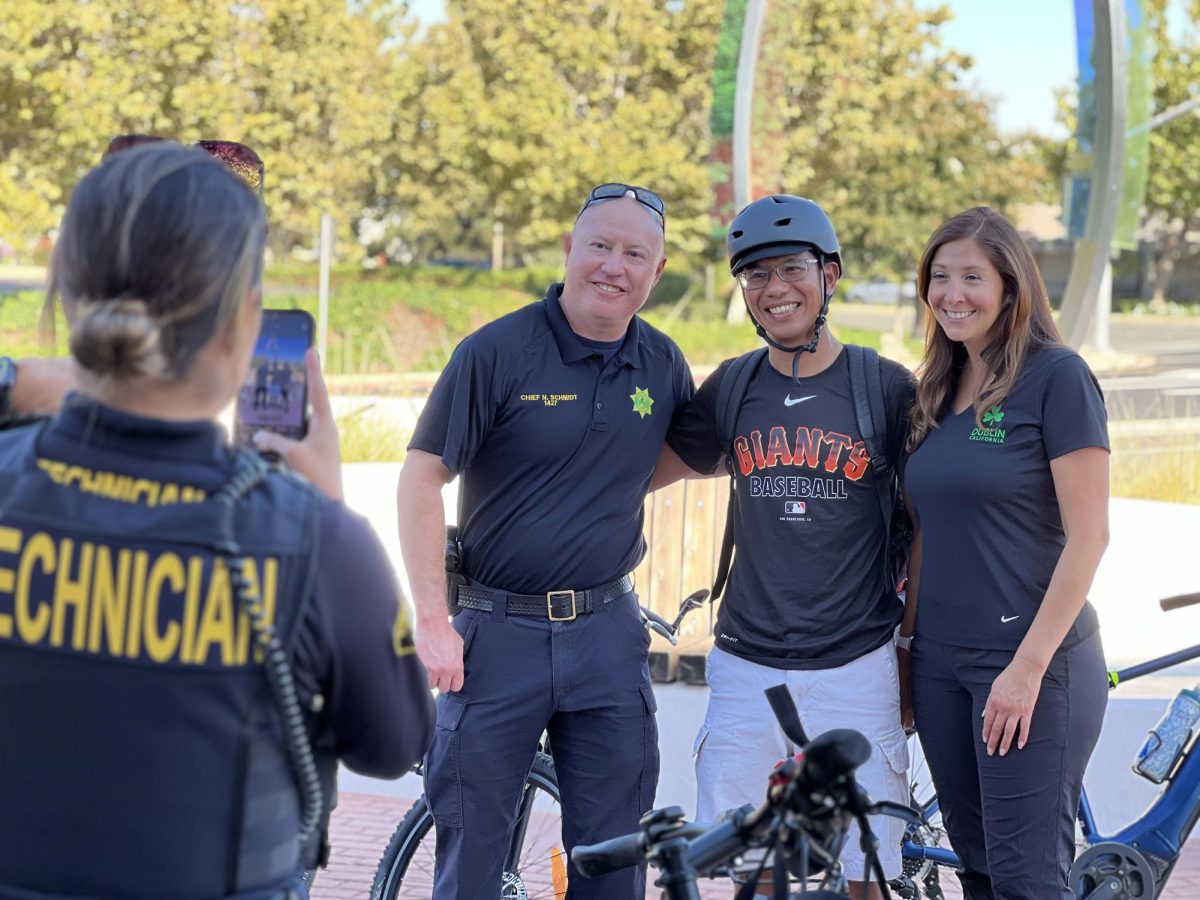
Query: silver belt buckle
(551,596)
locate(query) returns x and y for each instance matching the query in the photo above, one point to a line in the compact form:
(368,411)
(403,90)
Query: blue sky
(1023,50)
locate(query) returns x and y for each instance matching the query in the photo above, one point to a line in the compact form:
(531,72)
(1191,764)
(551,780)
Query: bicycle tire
(414,836)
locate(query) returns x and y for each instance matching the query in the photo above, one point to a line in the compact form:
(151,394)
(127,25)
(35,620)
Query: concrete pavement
(1150,556)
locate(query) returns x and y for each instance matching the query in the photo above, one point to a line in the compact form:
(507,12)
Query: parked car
(880,290)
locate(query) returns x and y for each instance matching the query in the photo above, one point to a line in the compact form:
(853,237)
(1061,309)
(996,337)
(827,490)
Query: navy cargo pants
(1011,818)
(586,682)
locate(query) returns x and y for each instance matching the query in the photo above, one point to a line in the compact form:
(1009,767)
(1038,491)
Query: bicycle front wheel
(536,864)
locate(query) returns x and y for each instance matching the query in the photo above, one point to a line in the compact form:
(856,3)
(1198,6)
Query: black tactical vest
(142,754)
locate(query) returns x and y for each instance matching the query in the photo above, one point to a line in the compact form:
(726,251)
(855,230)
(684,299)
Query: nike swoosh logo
(1007,619)
(788,401)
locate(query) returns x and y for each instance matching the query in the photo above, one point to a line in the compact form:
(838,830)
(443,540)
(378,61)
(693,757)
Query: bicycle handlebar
(803,786)
(622,852)
(785,713)
(1179,601)
(656,623)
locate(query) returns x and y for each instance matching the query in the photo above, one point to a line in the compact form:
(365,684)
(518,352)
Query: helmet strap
(811,346)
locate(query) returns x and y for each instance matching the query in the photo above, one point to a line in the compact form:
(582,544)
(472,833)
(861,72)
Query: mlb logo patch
(794,508)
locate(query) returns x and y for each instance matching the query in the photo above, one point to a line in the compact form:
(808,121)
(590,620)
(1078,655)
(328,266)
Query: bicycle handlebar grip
(716,846)
(833,754)
(594,860)
(784,708)
(1179,601)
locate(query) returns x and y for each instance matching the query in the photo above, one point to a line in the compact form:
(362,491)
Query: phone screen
(275,395)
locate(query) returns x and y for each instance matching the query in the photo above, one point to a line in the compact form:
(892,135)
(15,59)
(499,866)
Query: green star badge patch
(642,401)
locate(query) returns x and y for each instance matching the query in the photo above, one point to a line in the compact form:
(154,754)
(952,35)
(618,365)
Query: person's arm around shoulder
(421,523)
(670,468)
(693,447)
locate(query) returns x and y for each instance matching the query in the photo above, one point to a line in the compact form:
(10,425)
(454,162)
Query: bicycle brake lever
(896,810)
(657,624)
(659,629)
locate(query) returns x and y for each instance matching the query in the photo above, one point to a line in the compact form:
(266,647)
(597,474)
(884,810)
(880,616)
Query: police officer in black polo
(553,415)
(189,639)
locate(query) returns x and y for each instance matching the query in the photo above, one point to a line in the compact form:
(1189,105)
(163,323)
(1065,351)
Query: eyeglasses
(614,191)
(790,271)
(238,158)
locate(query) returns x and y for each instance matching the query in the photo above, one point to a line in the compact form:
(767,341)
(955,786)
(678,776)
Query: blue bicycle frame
(1159,832)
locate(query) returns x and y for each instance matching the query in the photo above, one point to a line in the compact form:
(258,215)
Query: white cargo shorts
(740,742)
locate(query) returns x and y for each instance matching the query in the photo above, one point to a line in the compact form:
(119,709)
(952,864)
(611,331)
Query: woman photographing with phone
(1007,483)
(190,640)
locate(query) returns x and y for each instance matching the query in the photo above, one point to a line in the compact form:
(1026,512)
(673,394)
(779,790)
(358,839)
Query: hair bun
(118,339)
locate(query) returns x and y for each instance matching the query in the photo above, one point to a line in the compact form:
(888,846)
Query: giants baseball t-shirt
(806,589)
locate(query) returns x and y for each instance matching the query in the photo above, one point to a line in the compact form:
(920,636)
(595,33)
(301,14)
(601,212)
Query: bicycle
(1133,863)
(801,826)
(535,863)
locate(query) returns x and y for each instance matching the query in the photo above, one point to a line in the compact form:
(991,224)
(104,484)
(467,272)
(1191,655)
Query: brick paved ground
(363,823)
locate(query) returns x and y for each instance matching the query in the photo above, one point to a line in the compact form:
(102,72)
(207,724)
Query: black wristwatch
(8,376)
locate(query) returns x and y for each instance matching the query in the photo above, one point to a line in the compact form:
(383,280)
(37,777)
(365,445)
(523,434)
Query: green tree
(304,82)
(1173,189)
(522,107)
(876,123)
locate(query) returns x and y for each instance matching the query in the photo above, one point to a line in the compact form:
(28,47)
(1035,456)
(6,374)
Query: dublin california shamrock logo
(993,417)
(642,401)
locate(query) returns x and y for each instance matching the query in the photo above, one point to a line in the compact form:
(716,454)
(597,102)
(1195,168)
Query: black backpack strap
(730,395)
(866,388)
(733,391)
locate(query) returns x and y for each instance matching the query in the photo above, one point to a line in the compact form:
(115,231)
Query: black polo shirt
(991,530)
(555,446)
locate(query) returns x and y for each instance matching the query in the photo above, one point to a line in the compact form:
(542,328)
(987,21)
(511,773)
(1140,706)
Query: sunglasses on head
(238,158)
(615,190)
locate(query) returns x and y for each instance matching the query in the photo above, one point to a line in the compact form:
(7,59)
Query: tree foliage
(1173,188)
(522,107)
(877,124)
(486,129)
(303,82)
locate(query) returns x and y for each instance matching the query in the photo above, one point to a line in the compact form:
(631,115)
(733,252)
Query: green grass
(367,438)
(1162,467)
(409,320)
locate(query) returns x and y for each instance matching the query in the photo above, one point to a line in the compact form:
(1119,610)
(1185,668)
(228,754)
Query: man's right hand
(441,650)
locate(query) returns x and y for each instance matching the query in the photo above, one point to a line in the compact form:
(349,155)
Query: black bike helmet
(779,225)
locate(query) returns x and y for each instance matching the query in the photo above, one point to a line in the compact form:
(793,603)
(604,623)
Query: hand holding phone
(318,457)
(275,395)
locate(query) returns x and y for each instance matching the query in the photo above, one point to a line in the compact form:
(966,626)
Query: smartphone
(275,395)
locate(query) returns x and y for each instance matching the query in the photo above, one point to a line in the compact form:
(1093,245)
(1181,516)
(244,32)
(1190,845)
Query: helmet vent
(783,223)
(736,234)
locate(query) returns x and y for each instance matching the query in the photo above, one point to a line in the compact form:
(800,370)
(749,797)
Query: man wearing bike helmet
(808,601)
(553,416)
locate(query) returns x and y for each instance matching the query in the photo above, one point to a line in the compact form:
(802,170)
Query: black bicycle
(535,864)
(799,830)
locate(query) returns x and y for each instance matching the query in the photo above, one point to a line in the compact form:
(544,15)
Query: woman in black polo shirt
(1007,481)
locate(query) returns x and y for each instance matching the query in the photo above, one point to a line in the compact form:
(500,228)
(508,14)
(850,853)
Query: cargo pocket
(701,737)
(443,782)
(894,749)
(649,780)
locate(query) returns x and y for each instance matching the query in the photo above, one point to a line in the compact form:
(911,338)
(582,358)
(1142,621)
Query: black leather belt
(557,606)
